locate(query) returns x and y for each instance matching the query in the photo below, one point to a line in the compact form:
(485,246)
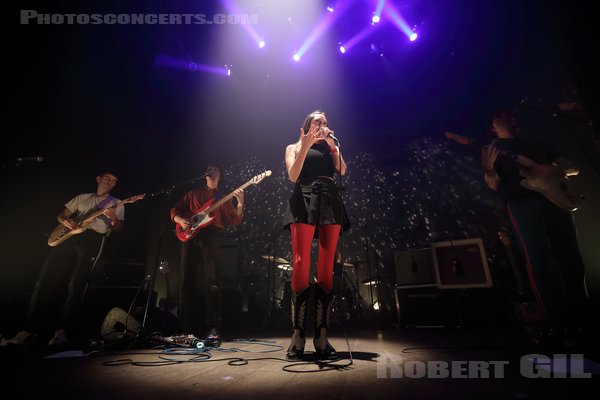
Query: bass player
(201,254)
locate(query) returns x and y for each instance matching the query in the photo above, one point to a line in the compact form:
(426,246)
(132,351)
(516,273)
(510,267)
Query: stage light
(296,57)
(261,44)
(342,49)
(228,69)
(330,9)
(323,22)
(177,63)
(397,19)
(377,13)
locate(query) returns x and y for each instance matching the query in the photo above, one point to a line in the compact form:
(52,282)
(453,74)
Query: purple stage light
(377,13)
(177,63)
(398,20)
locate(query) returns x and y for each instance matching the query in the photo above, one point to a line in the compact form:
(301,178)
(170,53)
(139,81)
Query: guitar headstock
(133,199)
(260,177)
(458,138)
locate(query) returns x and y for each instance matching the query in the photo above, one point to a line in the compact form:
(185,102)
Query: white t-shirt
(85,202)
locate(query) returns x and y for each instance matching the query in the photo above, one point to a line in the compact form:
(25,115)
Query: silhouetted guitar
(62,233)
(202,217)
(527,310)
(554,187)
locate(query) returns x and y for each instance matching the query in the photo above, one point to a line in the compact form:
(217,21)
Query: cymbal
(371,281)
(347,264)
(275,259)
(285,267)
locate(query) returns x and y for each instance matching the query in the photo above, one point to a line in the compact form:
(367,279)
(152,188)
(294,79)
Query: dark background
(93,98)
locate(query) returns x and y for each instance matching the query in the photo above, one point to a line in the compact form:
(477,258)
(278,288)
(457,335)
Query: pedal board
(188,341)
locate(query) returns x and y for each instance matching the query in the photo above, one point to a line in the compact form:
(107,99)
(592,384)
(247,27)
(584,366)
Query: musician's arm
(180,213)
(63,218)
(492,179)
(239,209)
(183,221)
(115,223)
(489,154)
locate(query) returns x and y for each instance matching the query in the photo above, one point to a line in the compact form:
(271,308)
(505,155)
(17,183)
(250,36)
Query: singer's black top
(318,162)
(316,199)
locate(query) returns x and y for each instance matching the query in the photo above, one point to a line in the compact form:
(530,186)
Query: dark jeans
(201,258)
(555,267)
(58,293)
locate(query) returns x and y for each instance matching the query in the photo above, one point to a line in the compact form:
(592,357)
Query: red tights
(302,235)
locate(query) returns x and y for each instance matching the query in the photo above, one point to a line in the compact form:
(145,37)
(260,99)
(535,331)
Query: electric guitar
(202,217)
(62,233)
(555,187)
(526,308)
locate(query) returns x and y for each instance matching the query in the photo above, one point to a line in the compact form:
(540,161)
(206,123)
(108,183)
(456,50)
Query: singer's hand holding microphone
(329,134)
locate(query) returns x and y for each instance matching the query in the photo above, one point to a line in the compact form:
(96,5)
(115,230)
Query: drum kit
(279,289)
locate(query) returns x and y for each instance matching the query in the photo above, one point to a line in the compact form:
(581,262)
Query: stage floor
(407,363)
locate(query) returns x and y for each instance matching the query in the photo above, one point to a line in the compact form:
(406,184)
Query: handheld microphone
(335,140)
(330,133)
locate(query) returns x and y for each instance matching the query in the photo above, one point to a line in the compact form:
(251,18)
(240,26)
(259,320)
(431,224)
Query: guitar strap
(103,204)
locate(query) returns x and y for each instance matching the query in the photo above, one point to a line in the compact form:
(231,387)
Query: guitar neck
(226,198)
(507,155)
(97,213)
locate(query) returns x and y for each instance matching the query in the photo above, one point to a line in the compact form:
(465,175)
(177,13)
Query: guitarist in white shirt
(201,254)
(59,289)
(545,231)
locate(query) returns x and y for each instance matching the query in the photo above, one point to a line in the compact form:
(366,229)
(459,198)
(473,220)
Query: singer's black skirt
(316,202)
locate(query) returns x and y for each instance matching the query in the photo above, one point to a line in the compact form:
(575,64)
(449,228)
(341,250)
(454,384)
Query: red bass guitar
(202,217)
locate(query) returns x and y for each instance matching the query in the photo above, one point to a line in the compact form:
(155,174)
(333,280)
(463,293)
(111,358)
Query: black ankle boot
(323,303)
(299,307)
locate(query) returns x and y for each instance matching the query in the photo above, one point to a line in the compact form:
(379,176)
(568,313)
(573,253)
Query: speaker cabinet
(461,264)
(414,268)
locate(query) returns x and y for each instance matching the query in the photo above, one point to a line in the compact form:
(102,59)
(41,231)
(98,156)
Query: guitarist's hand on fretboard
(489,154)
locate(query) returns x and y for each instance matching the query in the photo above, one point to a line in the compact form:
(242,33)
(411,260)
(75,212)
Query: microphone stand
(340,188)
(167,192)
